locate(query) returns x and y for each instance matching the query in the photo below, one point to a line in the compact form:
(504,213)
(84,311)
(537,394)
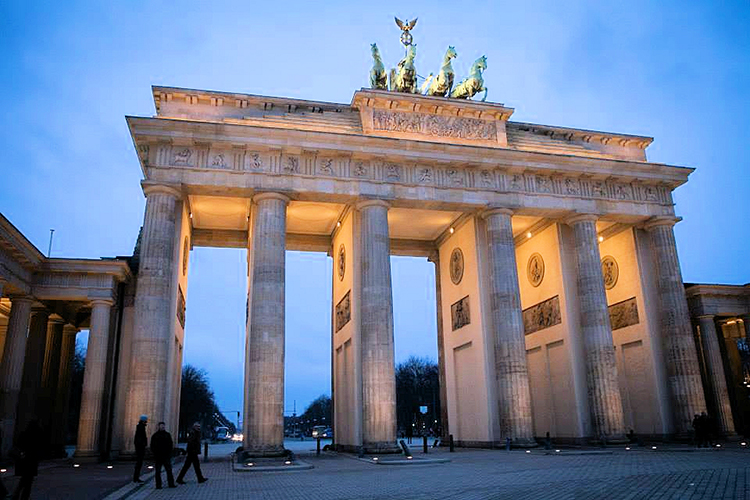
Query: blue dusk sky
(674,70)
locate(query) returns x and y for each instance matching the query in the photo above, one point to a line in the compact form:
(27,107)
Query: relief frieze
(435,125)
(623,314)
(460,314)
(542,315)
(343,311)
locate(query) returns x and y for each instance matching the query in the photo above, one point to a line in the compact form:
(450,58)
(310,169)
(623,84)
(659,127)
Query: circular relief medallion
(535,270)
(610,271)
(342,262)
(457,266)
(185,252)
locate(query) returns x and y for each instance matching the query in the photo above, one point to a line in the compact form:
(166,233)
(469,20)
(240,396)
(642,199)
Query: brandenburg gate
(561,306)
(560,302)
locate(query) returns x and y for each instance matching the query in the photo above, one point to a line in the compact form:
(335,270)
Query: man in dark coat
(161,447)
(193,450)
(27,459)
(140,442)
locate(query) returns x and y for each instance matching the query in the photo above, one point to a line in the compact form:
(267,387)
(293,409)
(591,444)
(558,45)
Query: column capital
(21,299)
(655,222)
(150,188)
(576,218)
(270,195)
(102,302)
(70,329)
(55,318)
(484,214)
(372,202)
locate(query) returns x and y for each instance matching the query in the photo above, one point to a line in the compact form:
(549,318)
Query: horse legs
(485,94)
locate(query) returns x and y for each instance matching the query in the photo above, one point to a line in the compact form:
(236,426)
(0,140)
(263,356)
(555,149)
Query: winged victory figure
(406,27)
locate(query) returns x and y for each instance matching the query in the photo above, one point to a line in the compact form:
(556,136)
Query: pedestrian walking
(140,441)
(27,459)
(193,450)
(161,447)
(697,430)
(3,489)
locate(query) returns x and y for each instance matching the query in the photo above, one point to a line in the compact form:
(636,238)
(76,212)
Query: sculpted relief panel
(542,315)
(623,314)
(435,126)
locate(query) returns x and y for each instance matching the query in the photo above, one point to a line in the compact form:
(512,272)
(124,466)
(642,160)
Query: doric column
(679,347)
(62,397)
(444,426)
(94,374)
(46,402)
(715,373)
(11,367)
(511,373)
(376,330)
(31,382)
(153,323)
(601,367)
(264,356)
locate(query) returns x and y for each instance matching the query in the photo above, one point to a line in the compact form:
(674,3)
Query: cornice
(119,269)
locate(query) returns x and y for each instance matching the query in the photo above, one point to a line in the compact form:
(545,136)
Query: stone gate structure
(561,306)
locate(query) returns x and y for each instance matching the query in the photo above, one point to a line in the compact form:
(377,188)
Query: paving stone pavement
(485,474)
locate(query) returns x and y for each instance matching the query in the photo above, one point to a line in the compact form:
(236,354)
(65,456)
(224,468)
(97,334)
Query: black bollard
(205,451)
(547,442)
(424,444)
(450,443)
(507,444)
(407,451)
(317,451)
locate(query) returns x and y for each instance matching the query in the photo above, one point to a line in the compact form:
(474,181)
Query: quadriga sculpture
(474,83)
(378,76)
(405,79)
(441,85)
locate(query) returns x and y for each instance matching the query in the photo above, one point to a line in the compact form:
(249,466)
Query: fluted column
(601,367)
(376,330)
(715,374)
(11,368)
(62,397)
(264,356)
(31,382)
(444,426)
(94,374)
(511,373)
(679,347)
(153,322)
(46,402)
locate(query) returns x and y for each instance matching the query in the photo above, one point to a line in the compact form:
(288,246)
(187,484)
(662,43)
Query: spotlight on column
(3,471)
(249,464)
(110,467)
(718,446)
(150,466)
(288,462)
(601,238)
(528,235)
(627,448)
(409,457)
(528,451)
(557,451)
(452,230)
(374,459)
(743,443)
(76,465)
(653,447)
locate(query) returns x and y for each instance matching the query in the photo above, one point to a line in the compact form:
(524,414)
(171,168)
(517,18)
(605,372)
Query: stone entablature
(198,160)
(717,300)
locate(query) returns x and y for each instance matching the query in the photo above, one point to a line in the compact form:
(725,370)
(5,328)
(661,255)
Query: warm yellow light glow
(451,230)
(338,223)
(528,235)
(601,238)
(191,215)
(732,322)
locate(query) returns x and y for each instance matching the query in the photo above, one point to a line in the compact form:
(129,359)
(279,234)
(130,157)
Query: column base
(615,439)
(263,452)
(523,443)
(381,448)
(86,455)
